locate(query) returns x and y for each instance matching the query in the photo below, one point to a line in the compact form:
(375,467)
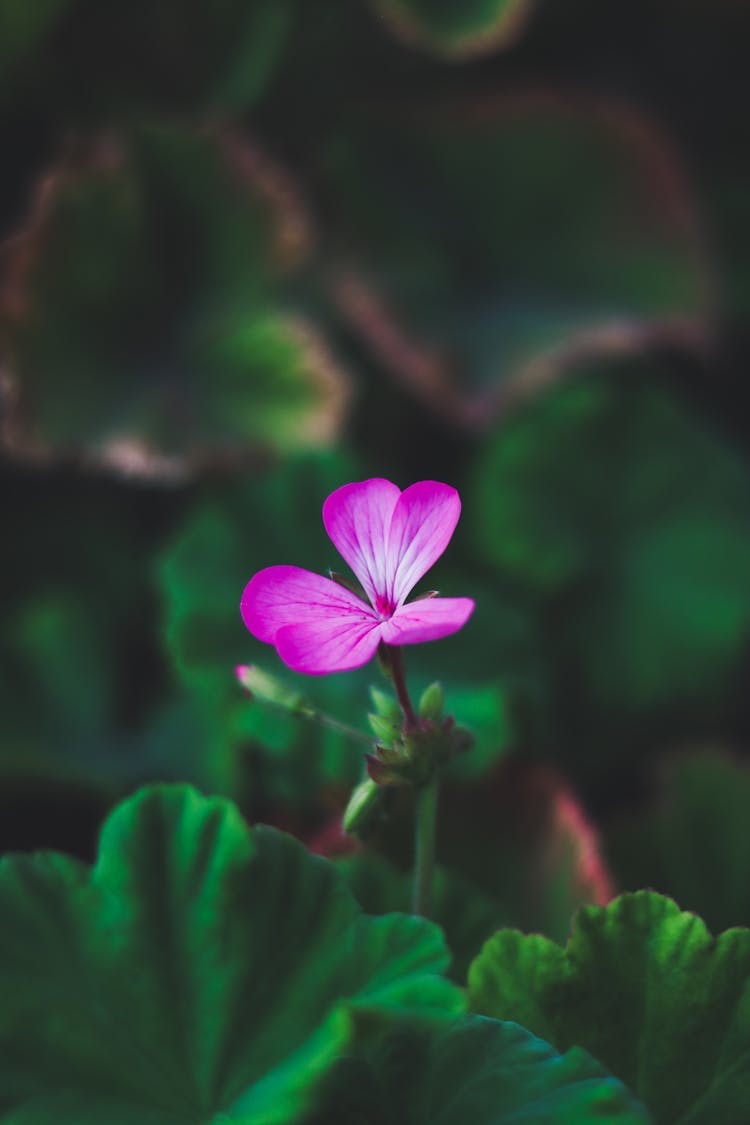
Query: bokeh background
(253,249)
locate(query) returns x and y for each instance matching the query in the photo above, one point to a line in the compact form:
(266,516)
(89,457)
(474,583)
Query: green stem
(311,715)
(328,721)
(424,849)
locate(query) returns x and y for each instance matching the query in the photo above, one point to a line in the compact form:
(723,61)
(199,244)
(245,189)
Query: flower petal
(288,595)
(335,644)
(426,620)
(423,522)
(357,518)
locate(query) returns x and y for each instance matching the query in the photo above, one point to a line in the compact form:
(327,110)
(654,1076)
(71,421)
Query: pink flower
(390,539)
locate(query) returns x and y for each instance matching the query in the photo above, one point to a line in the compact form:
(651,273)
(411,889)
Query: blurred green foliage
(168,340)
(452,27)
(693,838)
(515,848)
(626,516)
(252,250)
(519,265)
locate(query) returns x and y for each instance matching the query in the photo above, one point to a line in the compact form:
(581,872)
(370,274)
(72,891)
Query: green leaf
(647,990)
(465,912)
(456,28)
(690,840)
(662,464)
(642,579)
(159,357)
(270,519)
(478,1070)
(199,968)
(78,697)
(559,246)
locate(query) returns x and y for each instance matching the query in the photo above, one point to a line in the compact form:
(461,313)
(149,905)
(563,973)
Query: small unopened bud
(382,728)
(267,688)
(365,809)
(432,702)
(385,705)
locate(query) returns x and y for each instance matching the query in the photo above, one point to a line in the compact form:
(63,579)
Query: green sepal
(393,775)
(441,742)
(413,758)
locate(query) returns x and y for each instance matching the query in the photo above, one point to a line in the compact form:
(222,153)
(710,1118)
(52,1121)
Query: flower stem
(309,714)
(396,666)
(328,721)
(424,849)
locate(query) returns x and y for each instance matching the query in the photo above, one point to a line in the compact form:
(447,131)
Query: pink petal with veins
(426,620)
(335,644)
(422,524)
(390,539)
(357,518)
(282,596)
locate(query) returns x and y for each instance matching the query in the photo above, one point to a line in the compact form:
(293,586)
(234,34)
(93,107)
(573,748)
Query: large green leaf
(660,465)
(648,991)
(142,317)
(456,28)
(691,840)
(198,969)
(691,74)
(479,1070)
(627,517)
(466,913)
(485,248)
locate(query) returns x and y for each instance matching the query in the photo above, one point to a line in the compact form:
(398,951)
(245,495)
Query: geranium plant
(390,539)
(203,971)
